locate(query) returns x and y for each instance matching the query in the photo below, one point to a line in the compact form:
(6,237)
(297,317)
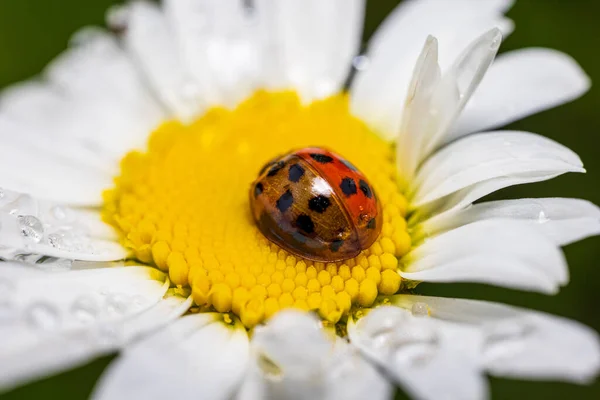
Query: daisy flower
(125,224)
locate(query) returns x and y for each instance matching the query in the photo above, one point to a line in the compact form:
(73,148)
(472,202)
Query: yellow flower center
(182,205)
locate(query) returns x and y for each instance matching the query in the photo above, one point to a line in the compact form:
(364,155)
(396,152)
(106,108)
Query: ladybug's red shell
(316,205)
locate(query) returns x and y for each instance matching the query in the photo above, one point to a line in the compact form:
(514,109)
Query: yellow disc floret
(182,205)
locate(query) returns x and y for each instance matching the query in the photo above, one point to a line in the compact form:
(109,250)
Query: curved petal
(521,83)
(479,164)
(380,89)
(200,355)
(563,221)
(293,358)
(54,321)
(428,359)
(433,103)
(30,228)
(518,343)
(309,44)
(501,252)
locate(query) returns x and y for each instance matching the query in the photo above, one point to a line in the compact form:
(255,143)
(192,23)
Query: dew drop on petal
(138,302)
(542,217)
(31,228)
(420,309)
(1,193)
(110,335)
(85,309)
(56,240)
(361,62)
(118,303)
(59,212)
(43,316)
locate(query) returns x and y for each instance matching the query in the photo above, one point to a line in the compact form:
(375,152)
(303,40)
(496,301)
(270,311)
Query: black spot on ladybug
(348,164)
(364,187)
(371,224)
(335,245)
(258,189)
(295,173)
(321,158)
(348,186)
(276,168)
(319,204)
(285,201)
(305,224)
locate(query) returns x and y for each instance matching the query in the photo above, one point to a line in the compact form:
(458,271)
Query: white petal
(219,46)
(293,358)
(198,355)
(379,90)
(459,83)
(54,321)
(148,37)
(30,227)
(520,343)
(288,359)
(310,44)
(172,306)
(479,164)
(500,252)
(433,104)
(50,176)
(563,221)
(425,79)
(90,109)
(354,378)
(429,360)
(521,83)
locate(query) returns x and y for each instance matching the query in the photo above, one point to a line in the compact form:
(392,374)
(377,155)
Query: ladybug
(316,205)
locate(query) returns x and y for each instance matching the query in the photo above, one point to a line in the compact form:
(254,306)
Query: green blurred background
(32,32)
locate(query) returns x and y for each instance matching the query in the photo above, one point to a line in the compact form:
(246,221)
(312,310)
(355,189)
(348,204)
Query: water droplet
(138,301)
(361,62)
(85,309)
(542,218)
(31,228)
(43,316)
(1,194)
(56,240)
(118,303)
(59,213)
(110,335)
(420,310)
